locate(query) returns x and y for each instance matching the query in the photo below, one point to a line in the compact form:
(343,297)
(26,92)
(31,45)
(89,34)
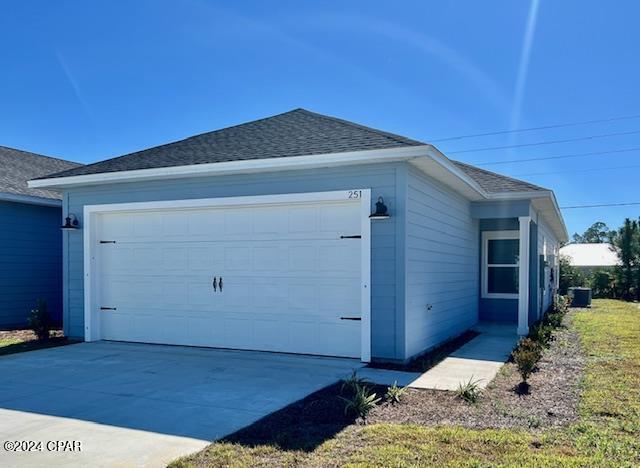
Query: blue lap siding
(30,261)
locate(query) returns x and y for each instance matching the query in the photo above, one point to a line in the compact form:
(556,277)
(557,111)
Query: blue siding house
(30,240)
(302,233)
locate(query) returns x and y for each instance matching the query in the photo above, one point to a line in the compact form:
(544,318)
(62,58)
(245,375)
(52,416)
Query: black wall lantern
(70,223)
(381,210)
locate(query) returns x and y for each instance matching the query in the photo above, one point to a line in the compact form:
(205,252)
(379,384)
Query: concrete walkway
(479,360)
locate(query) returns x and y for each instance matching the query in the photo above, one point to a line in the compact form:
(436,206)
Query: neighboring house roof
(497,183)
(18,167)
(295,133)
(590,255)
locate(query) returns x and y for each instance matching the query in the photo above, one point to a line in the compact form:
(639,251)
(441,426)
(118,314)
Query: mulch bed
(303,425)
(550,402)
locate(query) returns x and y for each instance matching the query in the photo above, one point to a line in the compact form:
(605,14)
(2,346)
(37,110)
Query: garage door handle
(220,284)
(350,318)
(215,283)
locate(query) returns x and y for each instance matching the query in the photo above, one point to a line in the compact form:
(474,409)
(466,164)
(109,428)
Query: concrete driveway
(144,405)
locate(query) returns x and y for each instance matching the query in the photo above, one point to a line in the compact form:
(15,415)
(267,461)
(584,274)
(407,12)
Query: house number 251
(355,193)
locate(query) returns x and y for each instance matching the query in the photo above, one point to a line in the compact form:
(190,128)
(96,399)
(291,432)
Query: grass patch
(607,434)
(18,341)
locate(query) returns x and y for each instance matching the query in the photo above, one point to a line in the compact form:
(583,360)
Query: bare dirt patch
(551,401)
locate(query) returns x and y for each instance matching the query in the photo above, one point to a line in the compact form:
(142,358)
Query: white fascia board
(238,167)
(29,199)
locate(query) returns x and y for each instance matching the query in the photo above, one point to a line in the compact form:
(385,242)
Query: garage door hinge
(107,242)
(350,237)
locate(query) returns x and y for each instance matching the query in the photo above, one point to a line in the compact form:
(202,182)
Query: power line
(599,205)
(597,169)
(548,142)
(531,129)
(561,156)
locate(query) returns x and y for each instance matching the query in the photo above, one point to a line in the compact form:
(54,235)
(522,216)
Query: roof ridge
(497,174)
(393,136)
(39,155)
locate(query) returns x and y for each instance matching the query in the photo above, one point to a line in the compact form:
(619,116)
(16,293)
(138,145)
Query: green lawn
(608,433)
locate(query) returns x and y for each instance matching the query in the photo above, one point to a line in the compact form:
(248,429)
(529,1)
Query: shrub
(469,391)
(526,359)
(530,345)
(553,319)
(361,402)
(541,333)
(40,321)
(394,393)
(353,382)
(561,304)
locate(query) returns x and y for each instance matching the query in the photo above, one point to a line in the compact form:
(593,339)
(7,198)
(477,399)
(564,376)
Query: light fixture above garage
(381,210)
(70,223)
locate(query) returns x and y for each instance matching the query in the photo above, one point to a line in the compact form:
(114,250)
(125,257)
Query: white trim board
(486,237)
(91,258)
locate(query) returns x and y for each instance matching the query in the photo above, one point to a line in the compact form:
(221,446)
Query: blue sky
(90,80)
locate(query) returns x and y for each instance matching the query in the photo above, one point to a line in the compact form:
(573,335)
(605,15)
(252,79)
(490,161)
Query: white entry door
(282,277)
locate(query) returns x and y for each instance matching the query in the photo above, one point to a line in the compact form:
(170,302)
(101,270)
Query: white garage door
(265,277)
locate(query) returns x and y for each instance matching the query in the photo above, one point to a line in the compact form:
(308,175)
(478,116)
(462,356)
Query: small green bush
(526,359)
(361,403)
(40,321)
(541,333)
(469,391)
(553,319)
(394,393)
(530,345)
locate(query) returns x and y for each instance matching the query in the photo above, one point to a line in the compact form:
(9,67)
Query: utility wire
(548,142)
(597,169)
(598,206)
(531,129)
(561,156)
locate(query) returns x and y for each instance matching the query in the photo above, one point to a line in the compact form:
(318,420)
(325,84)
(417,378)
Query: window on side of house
(500,256)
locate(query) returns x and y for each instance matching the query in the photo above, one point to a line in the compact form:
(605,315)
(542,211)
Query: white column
(523,276)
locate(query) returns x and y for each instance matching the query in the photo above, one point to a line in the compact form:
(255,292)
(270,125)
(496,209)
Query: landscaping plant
(361,402)
(394,393)
(40,321)
(469,391)
(526,359)
(353,382)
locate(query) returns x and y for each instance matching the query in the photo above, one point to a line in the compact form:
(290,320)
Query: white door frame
(91,259)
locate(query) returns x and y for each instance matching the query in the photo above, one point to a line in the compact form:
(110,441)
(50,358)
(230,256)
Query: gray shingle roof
(295,133)
(17,167)
(496,183)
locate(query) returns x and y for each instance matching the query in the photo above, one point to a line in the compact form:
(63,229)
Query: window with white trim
(500,259)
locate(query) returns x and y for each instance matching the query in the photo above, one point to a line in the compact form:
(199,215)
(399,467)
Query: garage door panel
(339,218)
(302,220)
(288,278)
